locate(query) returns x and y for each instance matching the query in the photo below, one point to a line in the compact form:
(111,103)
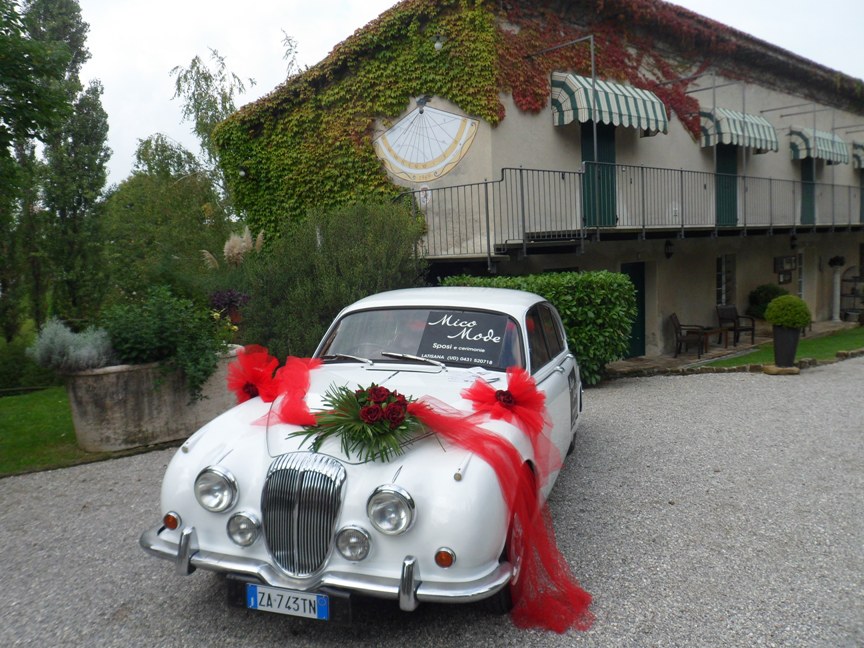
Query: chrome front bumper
(409,589)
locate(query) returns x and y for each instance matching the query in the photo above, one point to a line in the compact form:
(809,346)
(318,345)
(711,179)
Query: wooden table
(708,332)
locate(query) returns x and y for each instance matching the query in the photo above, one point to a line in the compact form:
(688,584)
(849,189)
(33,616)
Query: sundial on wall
(426,143)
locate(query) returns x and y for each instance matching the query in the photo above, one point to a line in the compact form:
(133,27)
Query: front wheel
(514,552)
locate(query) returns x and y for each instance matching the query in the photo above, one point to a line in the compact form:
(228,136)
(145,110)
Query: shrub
(761,296)
(18,369)
(317,267)
(597,308)
(789,311)
(167,329)
(58,348)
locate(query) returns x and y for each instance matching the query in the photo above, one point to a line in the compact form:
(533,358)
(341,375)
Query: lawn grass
(36,433)
(817,348)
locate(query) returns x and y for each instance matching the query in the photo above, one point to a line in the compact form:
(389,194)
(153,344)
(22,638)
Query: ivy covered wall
(309,143)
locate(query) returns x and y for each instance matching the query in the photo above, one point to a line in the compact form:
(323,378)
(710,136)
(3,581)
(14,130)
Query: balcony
(531,209)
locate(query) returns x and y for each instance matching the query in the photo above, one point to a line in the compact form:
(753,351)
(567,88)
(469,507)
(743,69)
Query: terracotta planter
(129,406)
(785,345)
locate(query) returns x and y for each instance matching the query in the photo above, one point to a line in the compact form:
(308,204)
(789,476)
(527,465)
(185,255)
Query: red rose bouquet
(372,422)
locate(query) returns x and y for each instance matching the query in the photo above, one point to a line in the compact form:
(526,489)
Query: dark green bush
(167,329)
(761,296)
(597,308)
(789,311)
(319,266)
(18,370)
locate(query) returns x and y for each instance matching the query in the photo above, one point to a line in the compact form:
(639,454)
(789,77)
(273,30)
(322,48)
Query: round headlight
(215,489)
(391,510)
(243,529)
(353,543)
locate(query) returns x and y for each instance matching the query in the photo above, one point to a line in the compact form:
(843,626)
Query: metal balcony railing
(531,206)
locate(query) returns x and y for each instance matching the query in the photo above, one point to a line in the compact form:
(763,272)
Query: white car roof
(512,302)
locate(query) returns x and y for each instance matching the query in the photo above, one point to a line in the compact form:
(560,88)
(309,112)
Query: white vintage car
(300,523)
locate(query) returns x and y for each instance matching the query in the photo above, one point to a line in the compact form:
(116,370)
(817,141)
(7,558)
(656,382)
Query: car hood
(412,381)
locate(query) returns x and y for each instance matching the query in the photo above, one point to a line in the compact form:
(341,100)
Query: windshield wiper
(408,356)
(345,356)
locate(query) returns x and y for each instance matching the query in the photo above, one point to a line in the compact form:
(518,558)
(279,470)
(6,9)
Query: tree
(57,228)
(208,97)
(32,99)
(32,70)
(158,220)
(320,265)
(76,155)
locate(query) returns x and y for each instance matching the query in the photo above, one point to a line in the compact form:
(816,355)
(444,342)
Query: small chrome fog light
(243,529)
(353,543)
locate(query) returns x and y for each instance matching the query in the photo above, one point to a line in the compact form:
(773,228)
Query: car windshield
(452,336)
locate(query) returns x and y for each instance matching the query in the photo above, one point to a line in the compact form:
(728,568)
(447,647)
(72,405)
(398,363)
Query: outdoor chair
(728,317)
(686,334)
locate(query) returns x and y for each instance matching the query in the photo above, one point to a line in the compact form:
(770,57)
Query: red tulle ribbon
(524,406)
(549,596)
(292,382)
(289,386)
(251,374)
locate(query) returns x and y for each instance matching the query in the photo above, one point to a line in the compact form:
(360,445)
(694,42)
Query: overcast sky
(135,44)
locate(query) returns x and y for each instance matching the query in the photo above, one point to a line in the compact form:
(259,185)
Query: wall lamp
(439,42)
(668,249)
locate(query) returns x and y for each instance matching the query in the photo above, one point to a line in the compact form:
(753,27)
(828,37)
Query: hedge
(597,308)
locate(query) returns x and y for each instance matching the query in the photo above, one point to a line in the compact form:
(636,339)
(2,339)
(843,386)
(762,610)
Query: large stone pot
(785,345)
(128,406)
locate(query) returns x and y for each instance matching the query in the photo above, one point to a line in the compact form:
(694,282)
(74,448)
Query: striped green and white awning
(724,126)
(857,155)
(617,104)
(824,146)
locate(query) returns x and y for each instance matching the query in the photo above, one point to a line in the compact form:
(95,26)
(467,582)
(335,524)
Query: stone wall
(128,406)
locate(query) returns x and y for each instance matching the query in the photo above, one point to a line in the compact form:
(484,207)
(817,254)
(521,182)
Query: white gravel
(705,510)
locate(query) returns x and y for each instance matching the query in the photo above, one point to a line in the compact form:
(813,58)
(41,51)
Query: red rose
(378,394)
(395,414)
(504,397)
(250,390)
(371,413)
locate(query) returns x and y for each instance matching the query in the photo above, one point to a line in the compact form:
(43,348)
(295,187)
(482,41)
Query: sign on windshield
(471,338)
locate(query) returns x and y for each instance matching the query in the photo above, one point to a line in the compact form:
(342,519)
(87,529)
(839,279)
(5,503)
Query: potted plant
(788,314)
(154,371)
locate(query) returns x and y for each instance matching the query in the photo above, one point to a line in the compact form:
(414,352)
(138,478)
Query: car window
(536,340)
(551,330)
(452,336)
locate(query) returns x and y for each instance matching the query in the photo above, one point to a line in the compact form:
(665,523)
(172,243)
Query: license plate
(282,601)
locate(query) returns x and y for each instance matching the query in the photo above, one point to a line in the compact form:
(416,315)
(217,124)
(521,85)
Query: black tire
(504,599)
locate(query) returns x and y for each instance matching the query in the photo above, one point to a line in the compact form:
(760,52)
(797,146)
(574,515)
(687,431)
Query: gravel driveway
(706,510)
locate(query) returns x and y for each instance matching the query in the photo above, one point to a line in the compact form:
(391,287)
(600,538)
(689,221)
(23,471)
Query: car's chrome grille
(300,506)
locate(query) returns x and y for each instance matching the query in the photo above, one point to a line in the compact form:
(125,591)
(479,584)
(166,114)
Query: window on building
(725,280)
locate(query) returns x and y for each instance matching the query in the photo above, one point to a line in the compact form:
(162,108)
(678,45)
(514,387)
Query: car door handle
(560,369)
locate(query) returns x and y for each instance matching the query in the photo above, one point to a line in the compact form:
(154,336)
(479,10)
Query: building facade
(702,165)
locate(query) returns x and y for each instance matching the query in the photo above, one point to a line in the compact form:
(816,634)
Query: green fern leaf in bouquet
(371,422)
